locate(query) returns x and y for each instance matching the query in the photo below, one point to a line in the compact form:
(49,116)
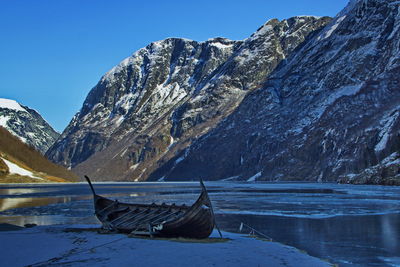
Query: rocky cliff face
(154,104)
(329,112)
(27,125)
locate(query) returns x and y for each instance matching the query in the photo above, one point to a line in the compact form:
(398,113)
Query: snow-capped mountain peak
(11,104)
(27,124)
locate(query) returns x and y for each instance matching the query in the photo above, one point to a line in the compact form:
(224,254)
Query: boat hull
(196,221)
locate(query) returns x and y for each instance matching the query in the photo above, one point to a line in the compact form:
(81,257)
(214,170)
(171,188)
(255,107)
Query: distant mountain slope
(330,112)
(26,124)
(20,162)
(155,103)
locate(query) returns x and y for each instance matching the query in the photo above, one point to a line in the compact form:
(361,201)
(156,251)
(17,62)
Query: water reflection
(13,203)
(47,220)
(17,191)
(390,233)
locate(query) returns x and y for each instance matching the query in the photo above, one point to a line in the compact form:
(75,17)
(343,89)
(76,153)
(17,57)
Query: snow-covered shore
(81,245)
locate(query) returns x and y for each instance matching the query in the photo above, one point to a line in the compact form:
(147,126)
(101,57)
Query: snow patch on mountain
(15,169)
(3,121)
(11,104)
(265,29)
(254,177)
(221,45)
(330,30)
(387,124)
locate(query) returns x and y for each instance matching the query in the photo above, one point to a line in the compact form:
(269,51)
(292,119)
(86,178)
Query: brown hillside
(3,168)
(13,147)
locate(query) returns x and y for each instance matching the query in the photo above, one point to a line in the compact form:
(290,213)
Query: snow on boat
(196,221)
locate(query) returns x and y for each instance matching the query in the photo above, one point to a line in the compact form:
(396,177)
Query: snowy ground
(53,245)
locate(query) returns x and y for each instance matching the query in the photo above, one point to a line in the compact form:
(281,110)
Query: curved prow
(90,184)
(204,189)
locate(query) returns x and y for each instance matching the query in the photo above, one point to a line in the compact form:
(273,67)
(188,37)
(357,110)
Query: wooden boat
(196,221)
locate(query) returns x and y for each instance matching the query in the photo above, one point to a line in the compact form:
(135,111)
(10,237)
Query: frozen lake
(349,225)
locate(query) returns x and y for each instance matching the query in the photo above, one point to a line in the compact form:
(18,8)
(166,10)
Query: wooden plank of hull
(163,220)
(198,222)
(199,225)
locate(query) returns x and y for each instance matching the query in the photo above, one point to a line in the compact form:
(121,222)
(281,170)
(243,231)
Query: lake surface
(346,224)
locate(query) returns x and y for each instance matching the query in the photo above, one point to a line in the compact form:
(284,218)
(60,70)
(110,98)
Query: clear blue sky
(52,52)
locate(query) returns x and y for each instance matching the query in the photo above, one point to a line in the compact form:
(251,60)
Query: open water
(346,224)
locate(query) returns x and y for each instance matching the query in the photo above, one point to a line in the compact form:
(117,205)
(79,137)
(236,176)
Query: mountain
(328,112)
(21,163)
(26,124)
(157,102)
